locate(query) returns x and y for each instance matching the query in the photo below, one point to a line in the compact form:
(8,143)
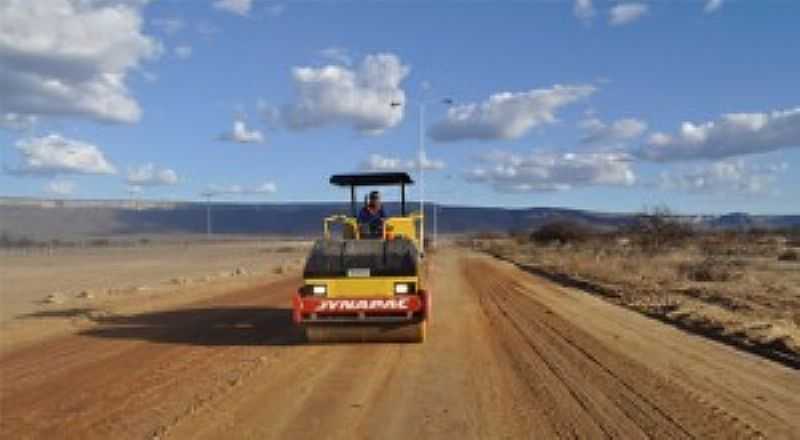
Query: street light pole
(421,164)
(208,218)
(208,215)
(421,159)
(435,225)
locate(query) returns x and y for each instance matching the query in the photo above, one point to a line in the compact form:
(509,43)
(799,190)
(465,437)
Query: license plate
(358,273)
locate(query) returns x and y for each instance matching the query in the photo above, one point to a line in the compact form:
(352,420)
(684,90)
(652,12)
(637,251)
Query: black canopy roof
(371,179)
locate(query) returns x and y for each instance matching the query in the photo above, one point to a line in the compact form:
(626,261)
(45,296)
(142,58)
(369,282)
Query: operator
(371,217)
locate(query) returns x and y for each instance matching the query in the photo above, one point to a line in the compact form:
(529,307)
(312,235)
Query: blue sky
(589,104)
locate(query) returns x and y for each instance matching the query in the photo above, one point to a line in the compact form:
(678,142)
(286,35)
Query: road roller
(363,281)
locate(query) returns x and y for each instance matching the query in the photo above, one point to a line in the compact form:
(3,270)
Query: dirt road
(509,356)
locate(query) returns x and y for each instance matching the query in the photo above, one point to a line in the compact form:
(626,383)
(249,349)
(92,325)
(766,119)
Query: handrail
(344,219)
(338,218)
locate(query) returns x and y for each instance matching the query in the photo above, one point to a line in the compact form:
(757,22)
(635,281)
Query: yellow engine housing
(395,227)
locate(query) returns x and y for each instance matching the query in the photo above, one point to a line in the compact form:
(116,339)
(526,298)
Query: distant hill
(42,219)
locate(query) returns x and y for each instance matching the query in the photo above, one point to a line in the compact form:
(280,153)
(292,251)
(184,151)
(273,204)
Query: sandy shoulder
(43,294)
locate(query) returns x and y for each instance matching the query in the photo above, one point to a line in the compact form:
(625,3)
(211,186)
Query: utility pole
(435,225)
(208,196)
(132,200)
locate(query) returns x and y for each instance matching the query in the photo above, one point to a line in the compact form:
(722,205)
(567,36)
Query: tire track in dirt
(619,374)
(750,391)
(615,397)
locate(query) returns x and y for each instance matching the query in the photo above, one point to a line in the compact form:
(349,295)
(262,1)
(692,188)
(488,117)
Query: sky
(603,105)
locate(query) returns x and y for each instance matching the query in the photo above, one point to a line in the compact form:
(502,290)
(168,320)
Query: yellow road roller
(363,281)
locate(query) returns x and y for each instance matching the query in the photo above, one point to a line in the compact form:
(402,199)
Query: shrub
(99,242)
(709,269)
(789,255)
(658,230)
(793,237)
(8,241)
(562,232)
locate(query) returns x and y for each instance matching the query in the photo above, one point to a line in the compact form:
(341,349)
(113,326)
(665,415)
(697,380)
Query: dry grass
(710,269)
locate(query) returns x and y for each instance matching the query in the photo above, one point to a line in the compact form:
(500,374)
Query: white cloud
(360,97)
(712,6)
(626,13)
(169,26)
(230,190)
(240,7)
(725,177)
(265,188)
(60,187)
(150,175)
(617,133)
(219,190)
(378,162)
(733,134)
(17,122)
(584,10)
(183,52)
(509,172)
(242,135)
(71,57)
(53,154)
(506,115)
(338,55)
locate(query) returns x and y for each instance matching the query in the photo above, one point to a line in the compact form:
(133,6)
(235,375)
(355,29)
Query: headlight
(320,290)
(402,288)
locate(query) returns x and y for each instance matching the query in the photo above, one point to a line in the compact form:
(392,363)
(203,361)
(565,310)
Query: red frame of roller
(313,309)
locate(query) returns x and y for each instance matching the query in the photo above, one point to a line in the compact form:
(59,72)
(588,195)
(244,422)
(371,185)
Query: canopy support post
(403,199)
(353,200)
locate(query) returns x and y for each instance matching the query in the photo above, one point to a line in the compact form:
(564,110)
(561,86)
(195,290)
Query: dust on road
(509,355)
